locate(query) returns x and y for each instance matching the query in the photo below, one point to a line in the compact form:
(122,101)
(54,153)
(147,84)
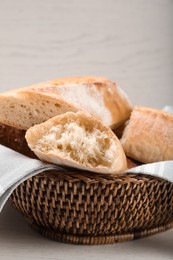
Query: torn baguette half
(102,98)
(77,140)
(148,136)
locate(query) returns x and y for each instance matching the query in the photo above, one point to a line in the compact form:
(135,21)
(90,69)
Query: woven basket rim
(89,177)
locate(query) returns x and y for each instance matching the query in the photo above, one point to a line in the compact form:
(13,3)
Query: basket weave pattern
(74,207)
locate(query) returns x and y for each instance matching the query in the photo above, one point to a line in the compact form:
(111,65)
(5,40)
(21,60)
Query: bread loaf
(148,137)
(102,98)
(15,139)
(77,140)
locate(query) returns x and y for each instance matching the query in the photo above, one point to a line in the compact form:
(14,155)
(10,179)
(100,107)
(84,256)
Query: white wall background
(129,41)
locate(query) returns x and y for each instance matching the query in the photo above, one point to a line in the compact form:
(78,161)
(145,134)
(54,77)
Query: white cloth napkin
(16,168)
(162,170)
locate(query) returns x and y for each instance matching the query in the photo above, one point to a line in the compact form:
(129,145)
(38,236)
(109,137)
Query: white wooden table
(127,41)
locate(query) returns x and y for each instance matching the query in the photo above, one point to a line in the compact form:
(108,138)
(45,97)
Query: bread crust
(15,139)
(102,98)
(36,132)
(148,137)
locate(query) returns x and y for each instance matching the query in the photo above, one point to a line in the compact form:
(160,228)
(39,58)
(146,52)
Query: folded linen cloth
(16,168)
(162,170)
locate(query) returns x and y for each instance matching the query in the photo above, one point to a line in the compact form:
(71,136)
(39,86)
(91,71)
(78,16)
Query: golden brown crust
(115,99)
(77,80)
(102,98)
(149,135)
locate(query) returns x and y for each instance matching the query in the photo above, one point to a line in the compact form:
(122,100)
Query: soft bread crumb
(77,140)
(87,146)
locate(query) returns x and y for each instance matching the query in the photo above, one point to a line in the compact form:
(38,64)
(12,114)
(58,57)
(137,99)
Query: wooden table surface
(127,41)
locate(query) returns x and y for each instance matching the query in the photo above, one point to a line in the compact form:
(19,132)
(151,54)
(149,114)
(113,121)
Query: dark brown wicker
(84,208)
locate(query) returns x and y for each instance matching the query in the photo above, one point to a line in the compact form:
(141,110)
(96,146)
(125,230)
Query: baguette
(77,140)
(24,107)
(148,137)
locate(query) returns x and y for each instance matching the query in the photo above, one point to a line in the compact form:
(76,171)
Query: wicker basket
(82,208)
(85,209)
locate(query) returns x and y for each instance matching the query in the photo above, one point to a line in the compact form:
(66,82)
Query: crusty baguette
(102,98)
(77,140)
(148,137)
